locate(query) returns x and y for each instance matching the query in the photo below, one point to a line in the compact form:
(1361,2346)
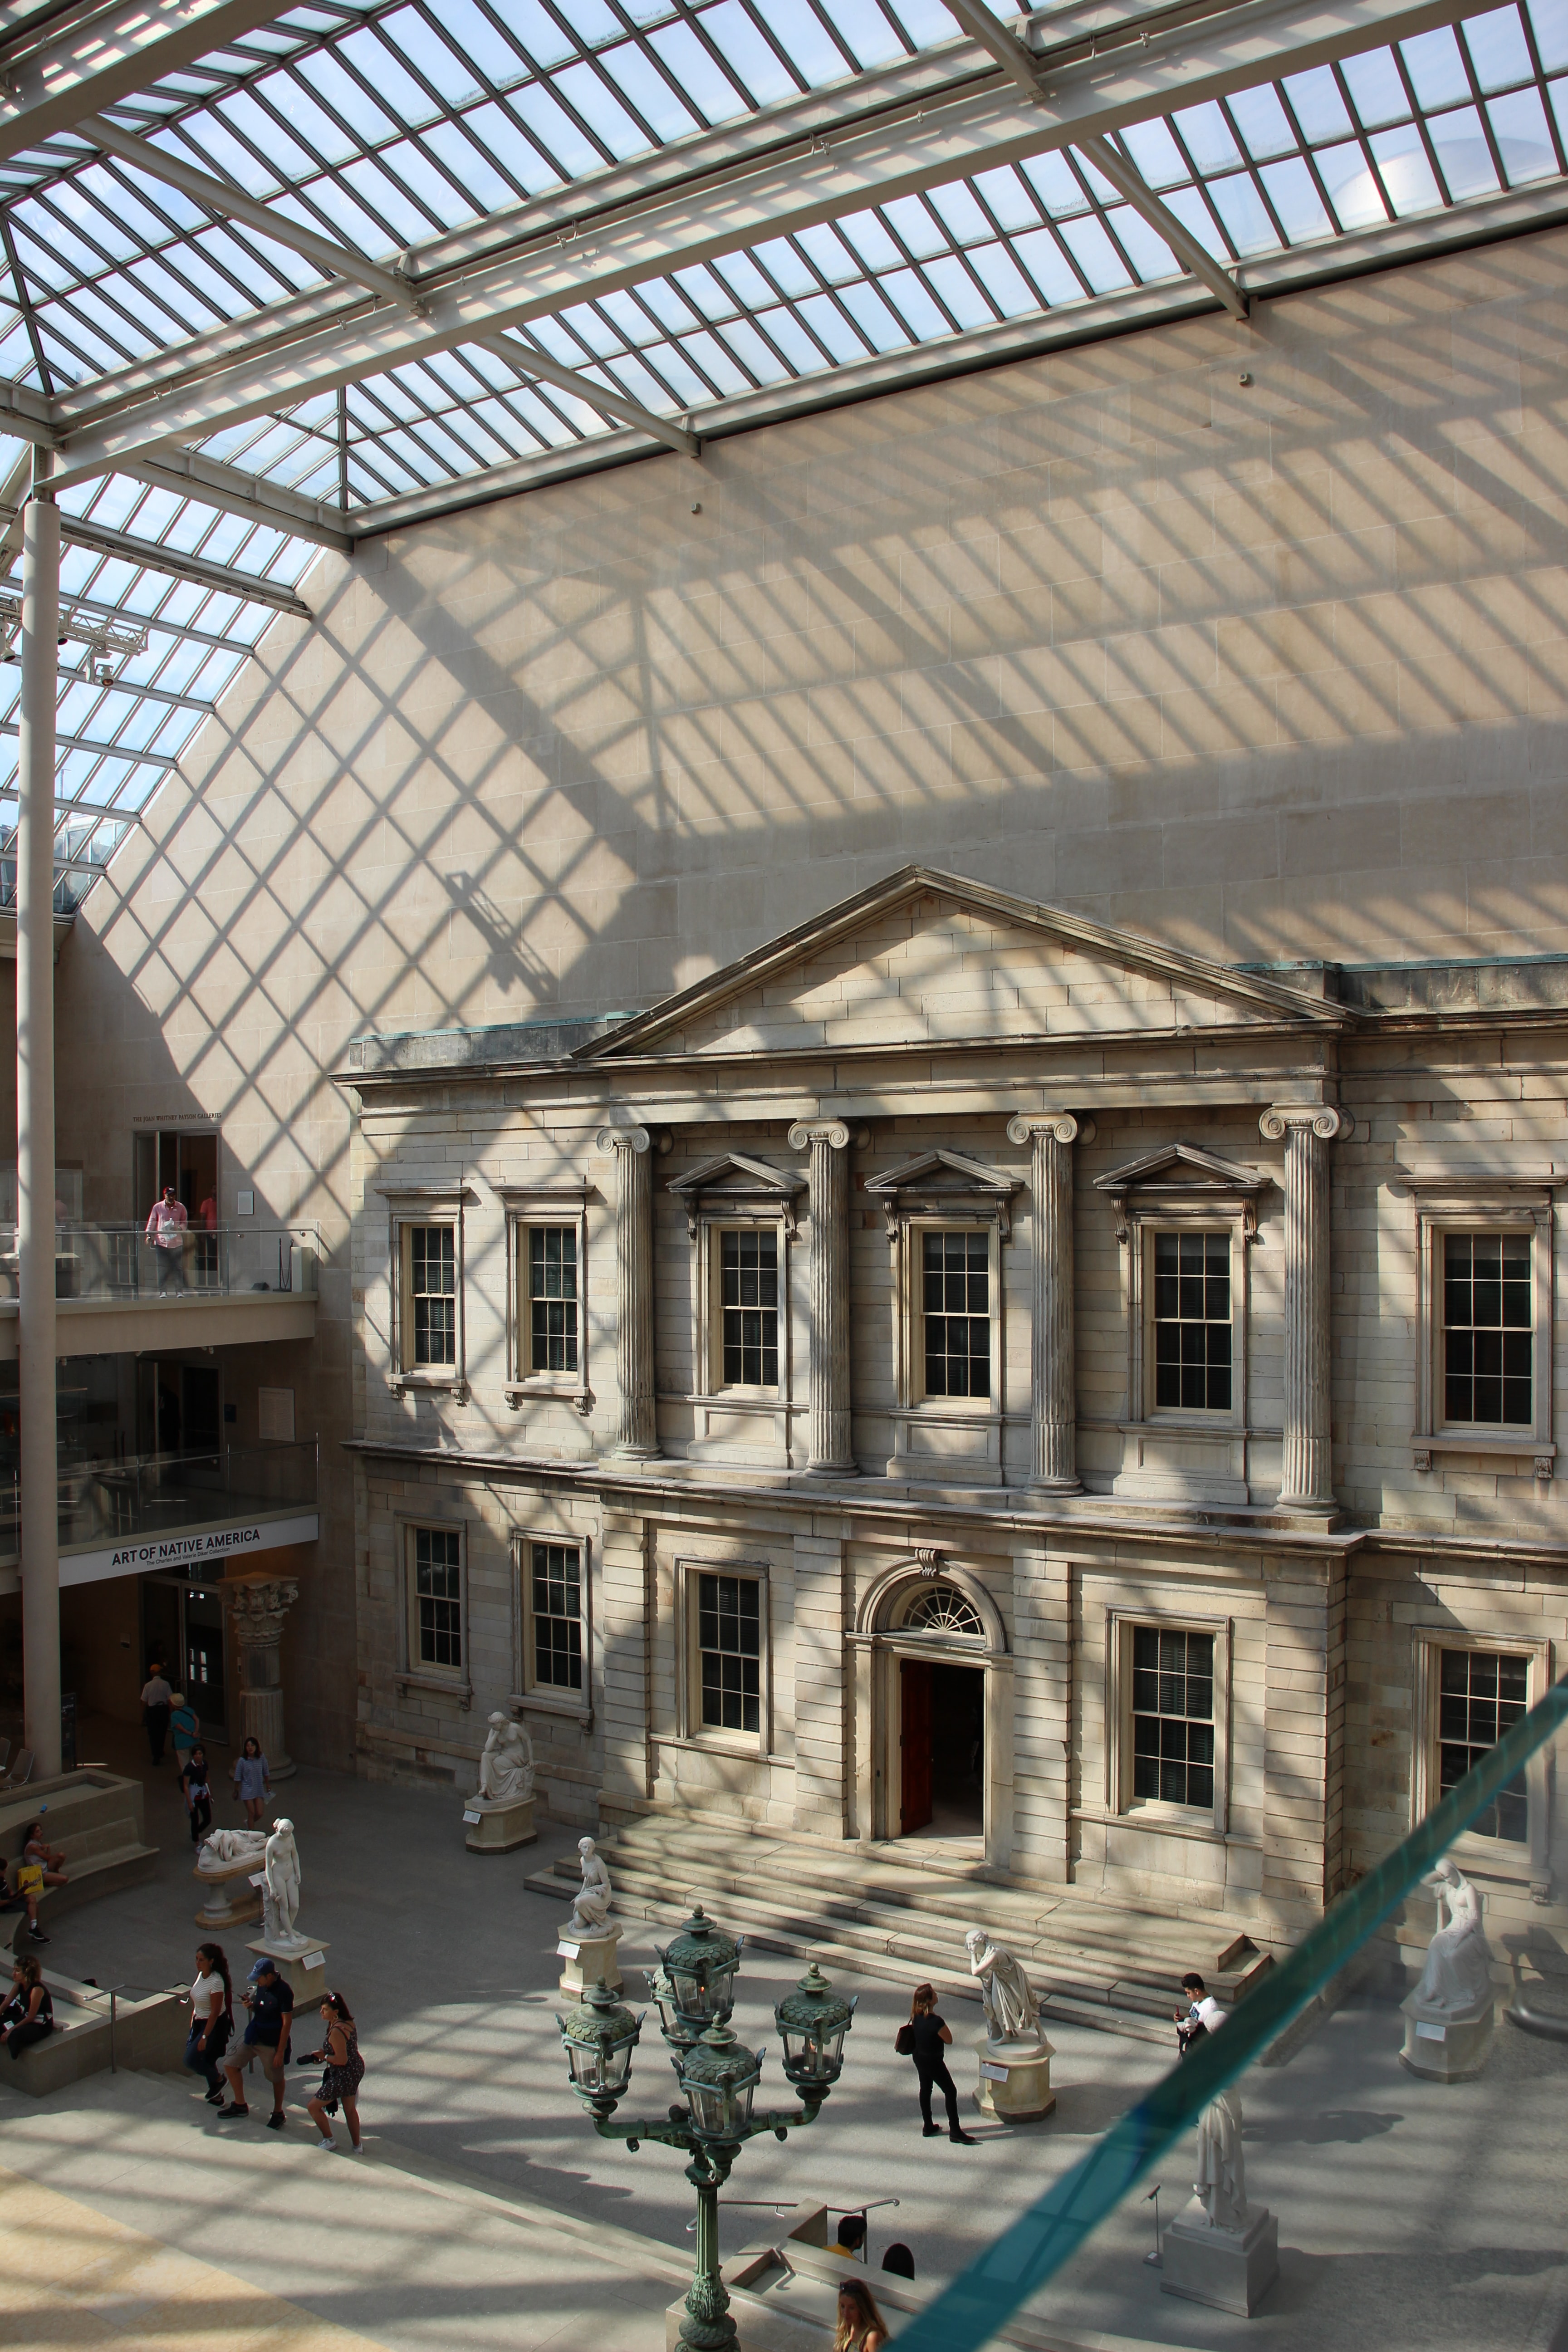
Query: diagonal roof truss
(519,239)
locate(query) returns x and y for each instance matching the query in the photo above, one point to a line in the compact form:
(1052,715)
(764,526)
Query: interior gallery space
(784,886)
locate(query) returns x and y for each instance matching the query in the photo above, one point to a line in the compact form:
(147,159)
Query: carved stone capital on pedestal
(257,1606)
(1306,1129)
(1052,1135)
(828,1443)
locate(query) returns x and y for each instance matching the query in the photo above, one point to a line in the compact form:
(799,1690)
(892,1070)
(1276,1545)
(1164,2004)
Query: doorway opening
(182,1628)
(941,1748)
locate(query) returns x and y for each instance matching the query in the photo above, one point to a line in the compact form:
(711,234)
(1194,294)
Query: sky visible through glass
(390,128)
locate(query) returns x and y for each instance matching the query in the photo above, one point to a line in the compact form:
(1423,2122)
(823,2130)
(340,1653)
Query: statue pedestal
(231,1900)
(495,1825)
(1447,2045)
(302,1967)
(1231,2269)
(587,1958)
(1014,2083)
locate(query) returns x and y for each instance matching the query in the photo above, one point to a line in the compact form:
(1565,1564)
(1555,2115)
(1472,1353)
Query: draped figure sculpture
(1012,2012)
(1221,2184)
(506,1767)
(591,1909)
(1459,1971)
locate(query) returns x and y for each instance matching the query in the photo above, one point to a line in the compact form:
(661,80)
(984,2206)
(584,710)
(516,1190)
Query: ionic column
(1306,1483)
(637,1430)
(1053,1368)
(256,1608)
(828,1447)
(39,1462)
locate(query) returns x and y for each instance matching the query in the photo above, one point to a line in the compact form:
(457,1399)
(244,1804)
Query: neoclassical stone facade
(965,1373)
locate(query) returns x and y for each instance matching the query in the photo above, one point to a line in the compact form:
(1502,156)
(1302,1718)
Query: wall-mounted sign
(199,1548)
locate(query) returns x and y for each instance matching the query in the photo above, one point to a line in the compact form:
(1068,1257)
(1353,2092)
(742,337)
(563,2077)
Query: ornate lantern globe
(813,2021)
(598,2039)
(679,2036)
(699,1967)
(718,2078)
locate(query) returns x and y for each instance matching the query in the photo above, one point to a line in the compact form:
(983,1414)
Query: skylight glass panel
(1498,48)
(757,66)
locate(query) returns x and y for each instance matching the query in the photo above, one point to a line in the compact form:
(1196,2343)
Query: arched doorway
(938,1715)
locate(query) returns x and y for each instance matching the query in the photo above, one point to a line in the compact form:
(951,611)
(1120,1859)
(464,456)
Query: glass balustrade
(137,1497)
(120,1262)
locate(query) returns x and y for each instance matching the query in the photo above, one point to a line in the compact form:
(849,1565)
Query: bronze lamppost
(694,1988)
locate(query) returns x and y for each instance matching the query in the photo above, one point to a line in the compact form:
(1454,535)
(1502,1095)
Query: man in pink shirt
(167,1232)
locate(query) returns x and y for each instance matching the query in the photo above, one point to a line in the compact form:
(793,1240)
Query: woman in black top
(30,2015)
(194,1781)
(923,2038)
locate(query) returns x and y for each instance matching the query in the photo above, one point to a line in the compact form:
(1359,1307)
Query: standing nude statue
(280,1888)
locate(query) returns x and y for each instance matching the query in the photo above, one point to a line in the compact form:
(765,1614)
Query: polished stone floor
(1427,2215)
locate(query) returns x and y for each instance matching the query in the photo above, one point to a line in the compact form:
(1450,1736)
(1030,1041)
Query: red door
(914,1739)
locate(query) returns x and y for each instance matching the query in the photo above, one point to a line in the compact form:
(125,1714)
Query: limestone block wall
(1270,671)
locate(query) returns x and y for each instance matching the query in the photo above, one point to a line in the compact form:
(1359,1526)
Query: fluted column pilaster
(1053,1384)
(829,1440)
(1307,1469)
(637,1427)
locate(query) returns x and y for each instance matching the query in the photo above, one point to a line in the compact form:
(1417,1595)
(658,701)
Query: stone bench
(148,2031)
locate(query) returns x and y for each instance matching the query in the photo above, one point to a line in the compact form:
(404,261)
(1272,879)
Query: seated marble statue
(1221,2183)
(1458,1971)
(1012,2012)
(506,1767)
(231,1845)
(590,1910)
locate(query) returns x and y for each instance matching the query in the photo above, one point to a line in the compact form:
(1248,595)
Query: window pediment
(939,1181)
(731,1183)
(1181,1179)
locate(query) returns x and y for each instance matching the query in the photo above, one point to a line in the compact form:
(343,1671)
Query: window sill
(1507,1443)
(445,1685)
(559,1702)
(979,1411)
(745,1744)
(1173,1820)
(543,1391)
(450,1384)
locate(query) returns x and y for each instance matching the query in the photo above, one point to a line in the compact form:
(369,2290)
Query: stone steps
(1114,1968)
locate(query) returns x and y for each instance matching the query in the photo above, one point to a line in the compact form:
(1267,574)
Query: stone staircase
(1114,1967)
(96,1819)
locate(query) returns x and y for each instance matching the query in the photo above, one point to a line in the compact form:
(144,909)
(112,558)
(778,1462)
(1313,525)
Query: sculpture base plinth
(231,1900)
(498,1825)
(304,1970)
(1231,2269)
(1014,2083)
(587,1958)
(1447,2045)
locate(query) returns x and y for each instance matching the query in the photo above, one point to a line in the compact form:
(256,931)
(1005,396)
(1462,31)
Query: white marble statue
(1457,1973)
(231,1845)
(1012,2012)
(590,1910)
(506,1767)
(1222,2168)
(280,1887)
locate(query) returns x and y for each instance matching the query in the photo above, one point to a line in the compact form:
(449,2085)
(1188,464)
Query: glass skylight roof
(394,130)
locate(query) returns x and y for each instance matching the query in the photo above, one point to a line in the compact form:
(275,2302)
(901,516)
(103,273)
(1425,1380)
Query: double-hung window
(955,1312)
(430,1299)
(436,1641)
(556,1613)
(1482,1693)
(552,1297)
(1489,1330)
(1173,1716)
(729,1650)
(748,1307)
(1192,1322)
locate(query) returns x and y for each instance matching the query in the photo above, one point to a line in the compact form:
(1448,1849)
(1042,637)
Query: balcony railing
(118,1262)
(139,1496)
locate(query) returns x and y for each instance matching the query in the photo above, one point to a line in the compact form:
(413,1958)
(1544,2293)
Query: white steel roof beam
(975,132)
(53,74)
(526,360)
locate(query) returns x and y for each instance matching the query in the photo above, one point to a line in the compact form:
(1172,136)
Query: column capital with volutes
(807,1131)
(1062,1126)
(611,1140)
(1325,1120)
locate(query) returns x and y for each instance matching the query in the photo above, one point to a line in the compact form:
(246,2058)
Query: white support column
(35,1125)
(637,1429)
(1053,1366)
(1307,1480)
(829,1445)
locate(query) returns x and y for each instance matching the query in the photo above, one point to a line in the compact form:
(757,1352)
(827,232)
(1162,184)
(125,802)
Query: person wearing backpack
(924,2039)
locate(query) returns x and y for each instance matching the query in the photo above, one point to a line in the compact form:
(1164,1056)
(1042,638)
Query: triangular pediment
(732,1171)
(1184,1166)
(926,959)
(944,1172)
